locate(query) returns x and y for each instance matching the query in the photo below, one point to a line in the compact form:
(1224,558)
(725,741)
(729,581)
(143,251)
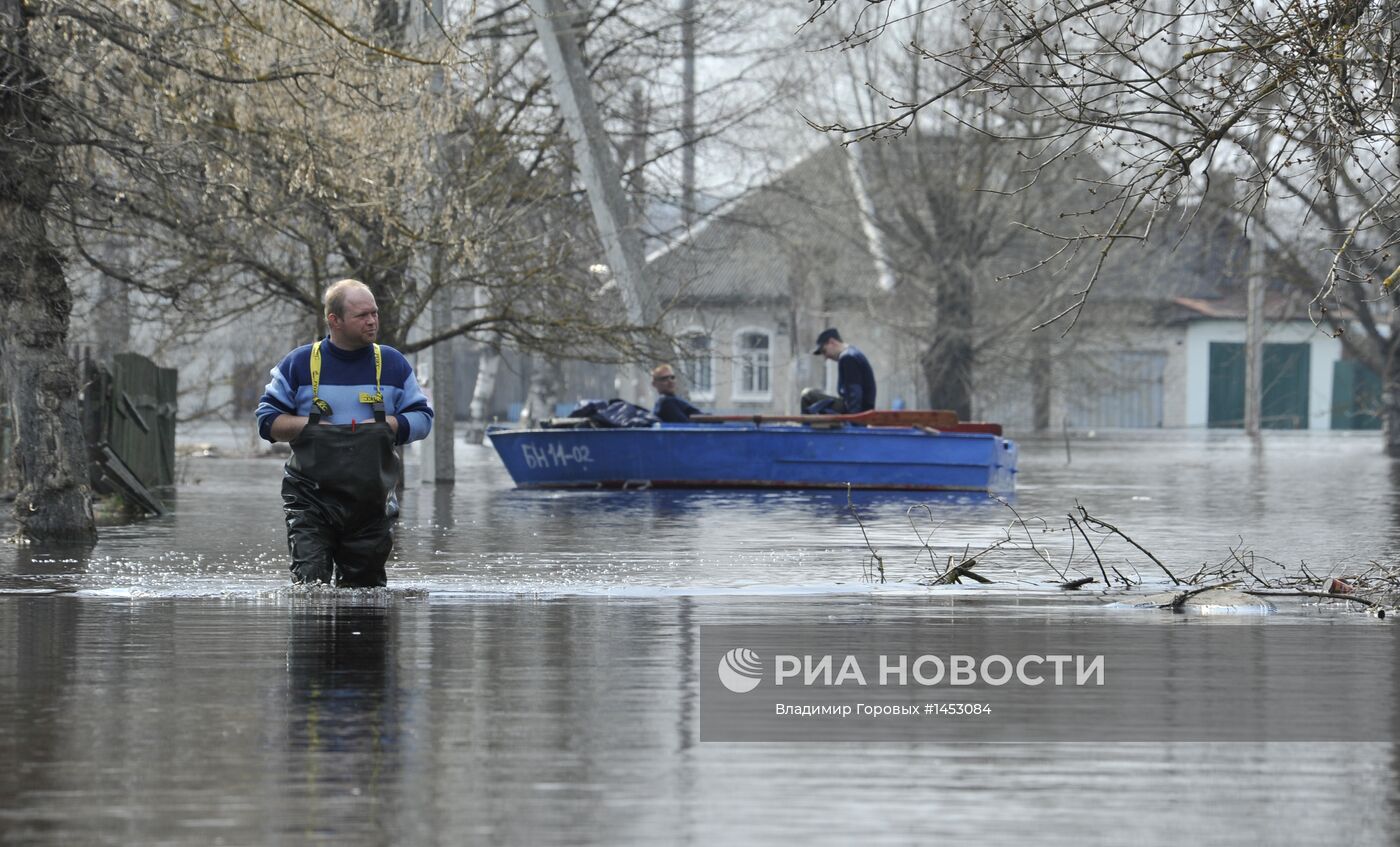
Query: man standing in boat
(344,403)
(670,407)
(855,379)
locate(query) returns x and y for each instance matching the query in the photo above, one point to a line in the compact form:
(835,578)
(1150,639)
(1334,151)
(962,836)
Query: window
(752,365)
(696,364)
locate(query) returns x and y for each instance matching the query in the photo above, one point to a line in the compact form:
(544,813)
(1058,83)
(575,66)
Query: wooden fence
(128,415)
(129,418)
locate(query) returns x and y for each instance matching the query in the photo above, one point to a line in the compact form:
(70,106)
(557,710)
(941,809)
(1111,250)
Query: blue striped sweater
(344,375)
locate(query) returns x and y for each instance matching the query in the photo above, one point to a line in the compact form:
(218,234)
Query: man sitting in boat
(669,407)
(855,379)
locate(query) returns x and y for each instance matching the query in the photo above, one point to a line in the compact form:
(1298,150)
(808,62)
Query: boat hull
(749,456)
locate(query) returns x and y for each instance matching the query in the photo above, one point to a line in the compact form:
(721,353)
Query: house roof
(1201,258)
(798,231)
(1278,306)
(802,236)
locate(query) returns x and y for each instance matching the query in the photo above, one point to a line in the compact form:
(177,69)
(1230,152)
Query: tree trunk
(1390,404)
(1390,373)
(947,362)
(488,363)
(53,502)
(1042,376)
(544,389)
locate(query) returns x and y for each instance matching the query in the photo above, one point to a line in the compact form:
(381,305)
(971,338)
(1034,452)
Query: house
(1307,383)
(749,289)
(873,242)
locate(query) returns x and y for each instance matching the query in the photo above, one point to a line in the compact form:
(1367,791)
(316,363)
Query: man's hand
(288,427)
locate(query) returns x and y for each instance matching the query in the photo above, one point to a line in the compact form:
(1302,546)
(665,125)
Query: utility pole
(439,462)
(688,112)
(558,25)
(1254,329)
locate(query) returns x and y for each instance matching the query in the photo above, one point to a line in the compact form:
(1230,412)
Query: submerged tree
(961,206)
(52,501)
(1297,101)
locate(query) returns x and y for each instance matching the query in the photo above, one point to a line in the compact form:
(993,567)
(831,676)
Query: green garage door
(1285,386)
(1356,396)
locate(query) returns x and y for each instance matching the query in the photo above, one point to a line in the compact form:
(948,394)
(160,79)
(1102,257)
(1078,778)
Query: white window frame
(691,387)
(743,357)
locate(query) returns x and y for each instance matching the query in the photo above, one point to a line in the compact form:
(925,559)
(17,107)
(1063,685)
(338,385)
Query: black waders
(338,495)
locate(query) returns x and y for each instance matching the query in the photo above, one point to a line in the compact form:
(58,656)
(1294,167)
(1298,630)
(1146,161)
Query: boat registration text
(555,455)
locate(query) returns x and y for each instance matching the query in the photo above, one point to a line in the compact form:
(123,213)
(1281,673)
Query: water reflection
(339,683)
(37,682)
(46,568)
(343,714)
(370,720)
(1393,490)
(444,501)
(683,502)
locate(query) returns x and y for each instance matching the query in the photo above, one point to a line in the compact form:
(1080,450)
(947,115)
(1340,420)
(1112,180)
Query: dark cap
(827,334)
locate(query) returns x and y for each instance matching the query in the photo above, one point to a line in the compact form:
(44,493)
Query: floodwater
(530,676)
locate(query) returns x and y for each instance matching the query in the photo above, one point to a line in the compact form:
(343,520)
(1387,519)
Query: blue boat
(758,454)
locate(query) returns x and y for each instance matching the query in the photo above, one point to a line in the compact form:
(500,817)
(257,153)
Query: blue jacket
(672,409)
(855,381)
(345,374)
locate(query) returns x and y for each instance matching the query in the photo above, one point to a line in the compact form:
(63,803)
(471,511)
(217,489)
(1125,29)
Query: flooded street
(531,674)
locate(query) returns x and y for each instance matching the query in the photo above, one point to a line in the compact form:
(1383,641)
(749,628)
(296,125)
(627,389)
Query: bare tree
(358,169)
(1297,101)
(957,220)
(192,154)
(352,167)
(960,210)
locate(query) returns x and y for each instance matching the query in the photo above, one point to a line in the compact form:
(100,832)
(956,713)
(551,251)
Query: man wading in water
(343,403)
